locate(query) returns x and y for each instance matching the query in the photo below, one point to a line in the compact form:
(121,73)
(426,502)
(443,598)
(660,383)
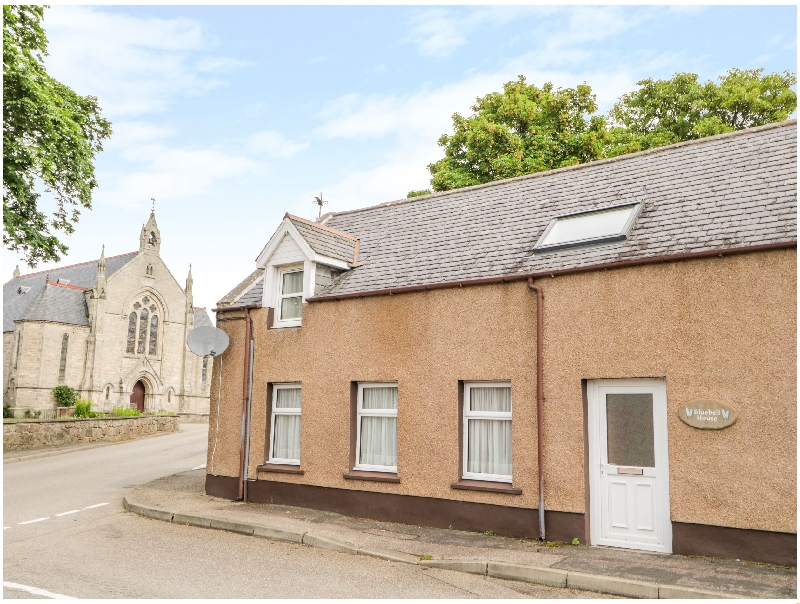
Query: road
(65,533)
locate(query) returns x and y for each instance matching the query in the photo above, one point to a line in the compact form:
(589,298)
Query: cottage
(114,329)
(604,352)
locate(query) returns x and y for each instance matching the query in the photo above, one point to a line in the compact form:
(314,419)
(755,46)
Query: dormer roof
(318,243)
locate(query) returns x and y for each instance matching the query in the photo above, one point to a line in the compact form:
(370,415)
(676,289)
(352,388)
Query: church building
(114,329)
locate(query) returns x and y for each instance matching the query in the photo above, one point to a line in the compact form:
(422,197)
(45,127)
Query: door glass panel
(629,421)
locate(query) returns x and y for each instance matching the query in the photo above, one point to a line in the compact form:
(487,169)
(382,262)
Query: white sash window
(290,295)
(487,431)
(285,430)
(376,440)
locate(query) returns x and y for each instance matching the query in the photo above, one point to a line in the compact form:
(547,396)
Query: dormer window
(594,226)
(290,296)
(63,281)
(23,289)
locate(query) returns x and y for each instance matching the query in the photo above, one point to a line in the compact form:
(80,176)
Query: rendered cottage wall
(722,328)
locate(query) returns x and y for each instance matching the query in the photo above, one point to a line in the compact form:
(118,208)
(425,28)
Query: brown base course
(513,572)
(741,544)
(406,509)
(687,539)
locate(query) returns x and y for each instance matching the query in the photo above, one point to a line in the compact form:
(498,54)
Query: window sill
(490,487)
(280,468)
(372,476)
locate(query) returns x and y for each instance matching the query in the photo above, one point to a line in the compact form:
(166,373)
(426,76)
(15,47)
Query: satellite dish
(207,341)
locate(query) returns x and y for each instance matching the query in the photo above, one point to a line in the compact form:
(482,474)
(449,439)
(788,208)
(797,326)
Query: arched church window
(205,368)
(153,335)
(108,392)
(131,332)
(62,366)
(169,397)
(143,317)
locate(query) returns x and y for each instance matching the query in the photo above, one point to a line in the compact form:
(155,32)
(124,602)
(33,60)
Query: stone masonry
(23,435)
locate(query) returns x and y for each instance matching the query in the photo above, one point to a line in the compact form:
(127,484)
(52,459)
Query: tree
(521,130)
(50,138)
(662,112)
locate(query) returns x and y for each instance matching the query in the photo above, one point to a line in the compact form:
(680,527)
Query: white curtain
(379,441)
(490,399)
(379,434)
(384,397)
(489,446)
(292,282)
(288,398)
(286,442)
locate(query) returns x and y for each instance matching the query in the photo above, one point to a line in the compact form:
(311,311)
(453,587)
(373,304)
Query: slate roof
(17,306)
(325,240)
(59,304)
(201,318)
(729,191)
(247,292)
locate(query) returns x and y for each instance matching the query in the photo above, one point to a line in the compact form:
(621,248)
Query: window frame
(280,296)
(621,235)
(361,412)
(467,415)
(283,411)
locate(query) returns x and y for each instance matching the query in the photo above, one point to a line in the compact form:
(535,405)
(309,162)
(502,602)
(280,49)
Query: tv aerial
(207,341)
(320,202)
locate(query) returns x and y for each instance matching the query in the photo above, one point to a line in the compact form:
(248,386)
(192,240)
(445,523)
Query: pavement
(180,499)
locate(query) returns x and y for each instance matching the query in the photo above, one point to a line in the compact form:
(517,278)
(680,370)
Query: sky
(232,116)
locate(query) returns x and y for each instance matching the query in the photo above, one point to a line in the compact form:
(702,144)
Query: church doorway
(137,398)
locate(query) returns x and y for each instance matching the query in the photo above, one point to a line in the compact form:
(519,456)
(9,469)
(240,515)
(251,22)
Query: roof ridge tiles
(321,227)
(58,268)
(67,285)
(599,162)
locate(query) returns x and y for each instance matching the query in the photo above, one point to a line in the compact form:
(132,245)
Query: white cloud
(133,65)
(170,174)
(435,33)
(274,144)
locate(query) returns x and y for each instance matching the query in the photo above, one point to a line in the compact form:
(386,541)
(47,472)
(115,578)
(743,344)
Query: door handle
(630,471)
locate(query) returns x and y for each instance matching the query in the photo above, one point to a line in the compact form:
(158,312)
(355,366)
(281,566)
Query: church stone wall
(40,359)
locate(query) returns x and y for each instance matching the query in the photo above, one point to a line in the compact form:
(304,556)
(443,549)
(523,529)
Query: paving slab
(638,574)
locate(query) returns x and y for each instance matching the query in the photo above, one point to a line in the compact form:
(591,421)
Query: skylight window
(595,226)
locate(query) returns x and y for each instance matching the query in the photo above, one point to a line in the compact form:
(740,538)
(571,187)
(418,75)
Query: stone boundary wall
(192,418)
(33,434)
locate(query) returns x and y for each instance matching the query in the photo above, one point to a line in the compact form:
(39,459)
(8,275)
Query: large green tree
(521,130)
(661,112)
(50,138)
(525,129)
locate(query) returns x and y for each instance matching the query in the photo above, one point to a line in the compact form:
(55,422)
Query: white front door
(629,471)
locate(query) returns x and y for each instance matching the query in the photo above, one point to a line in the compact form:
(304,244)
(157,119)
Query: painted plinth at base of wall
(688,539)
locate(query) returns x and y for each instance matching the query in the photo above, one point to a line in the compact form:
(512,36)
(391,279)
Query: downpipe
(246,389)
(539,399)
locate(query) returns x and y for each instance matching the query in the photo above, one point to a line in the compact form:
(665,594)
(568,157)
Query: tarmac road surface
(65,533)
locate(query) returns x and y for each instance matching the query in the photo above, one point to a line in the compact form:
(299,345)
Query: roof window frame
(621,235)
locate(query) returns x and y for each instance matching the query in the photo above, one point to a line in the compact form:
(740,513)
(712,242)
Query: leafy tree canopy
(526,129)
(50,138)
(521,130)
(662,112)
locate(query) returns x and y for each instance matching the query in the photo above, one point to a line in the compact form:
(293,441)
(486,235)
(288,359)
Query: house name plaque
(707,415)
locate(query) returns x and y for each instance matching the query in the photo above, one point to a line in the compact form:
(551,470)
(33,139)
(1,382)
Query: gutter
(564,271)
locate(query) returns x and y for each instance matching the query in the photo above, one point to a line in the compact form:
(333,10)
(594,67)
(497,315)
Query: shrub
(84,409)
(65,396)
(7,411)
(125,412)
(32,414)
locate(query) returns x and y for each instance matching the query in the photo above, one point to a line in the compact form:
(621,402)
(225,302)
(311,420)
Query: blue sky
(232,116)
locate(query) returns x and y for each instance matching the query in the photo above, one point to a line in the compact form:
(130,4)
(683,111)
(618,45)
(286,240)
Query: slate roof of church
(60,304)
(201,318)
(18,306)
(729,191)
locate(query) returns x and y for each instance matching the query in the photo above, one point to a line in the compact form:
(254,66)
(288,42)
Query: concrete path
(180,499)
